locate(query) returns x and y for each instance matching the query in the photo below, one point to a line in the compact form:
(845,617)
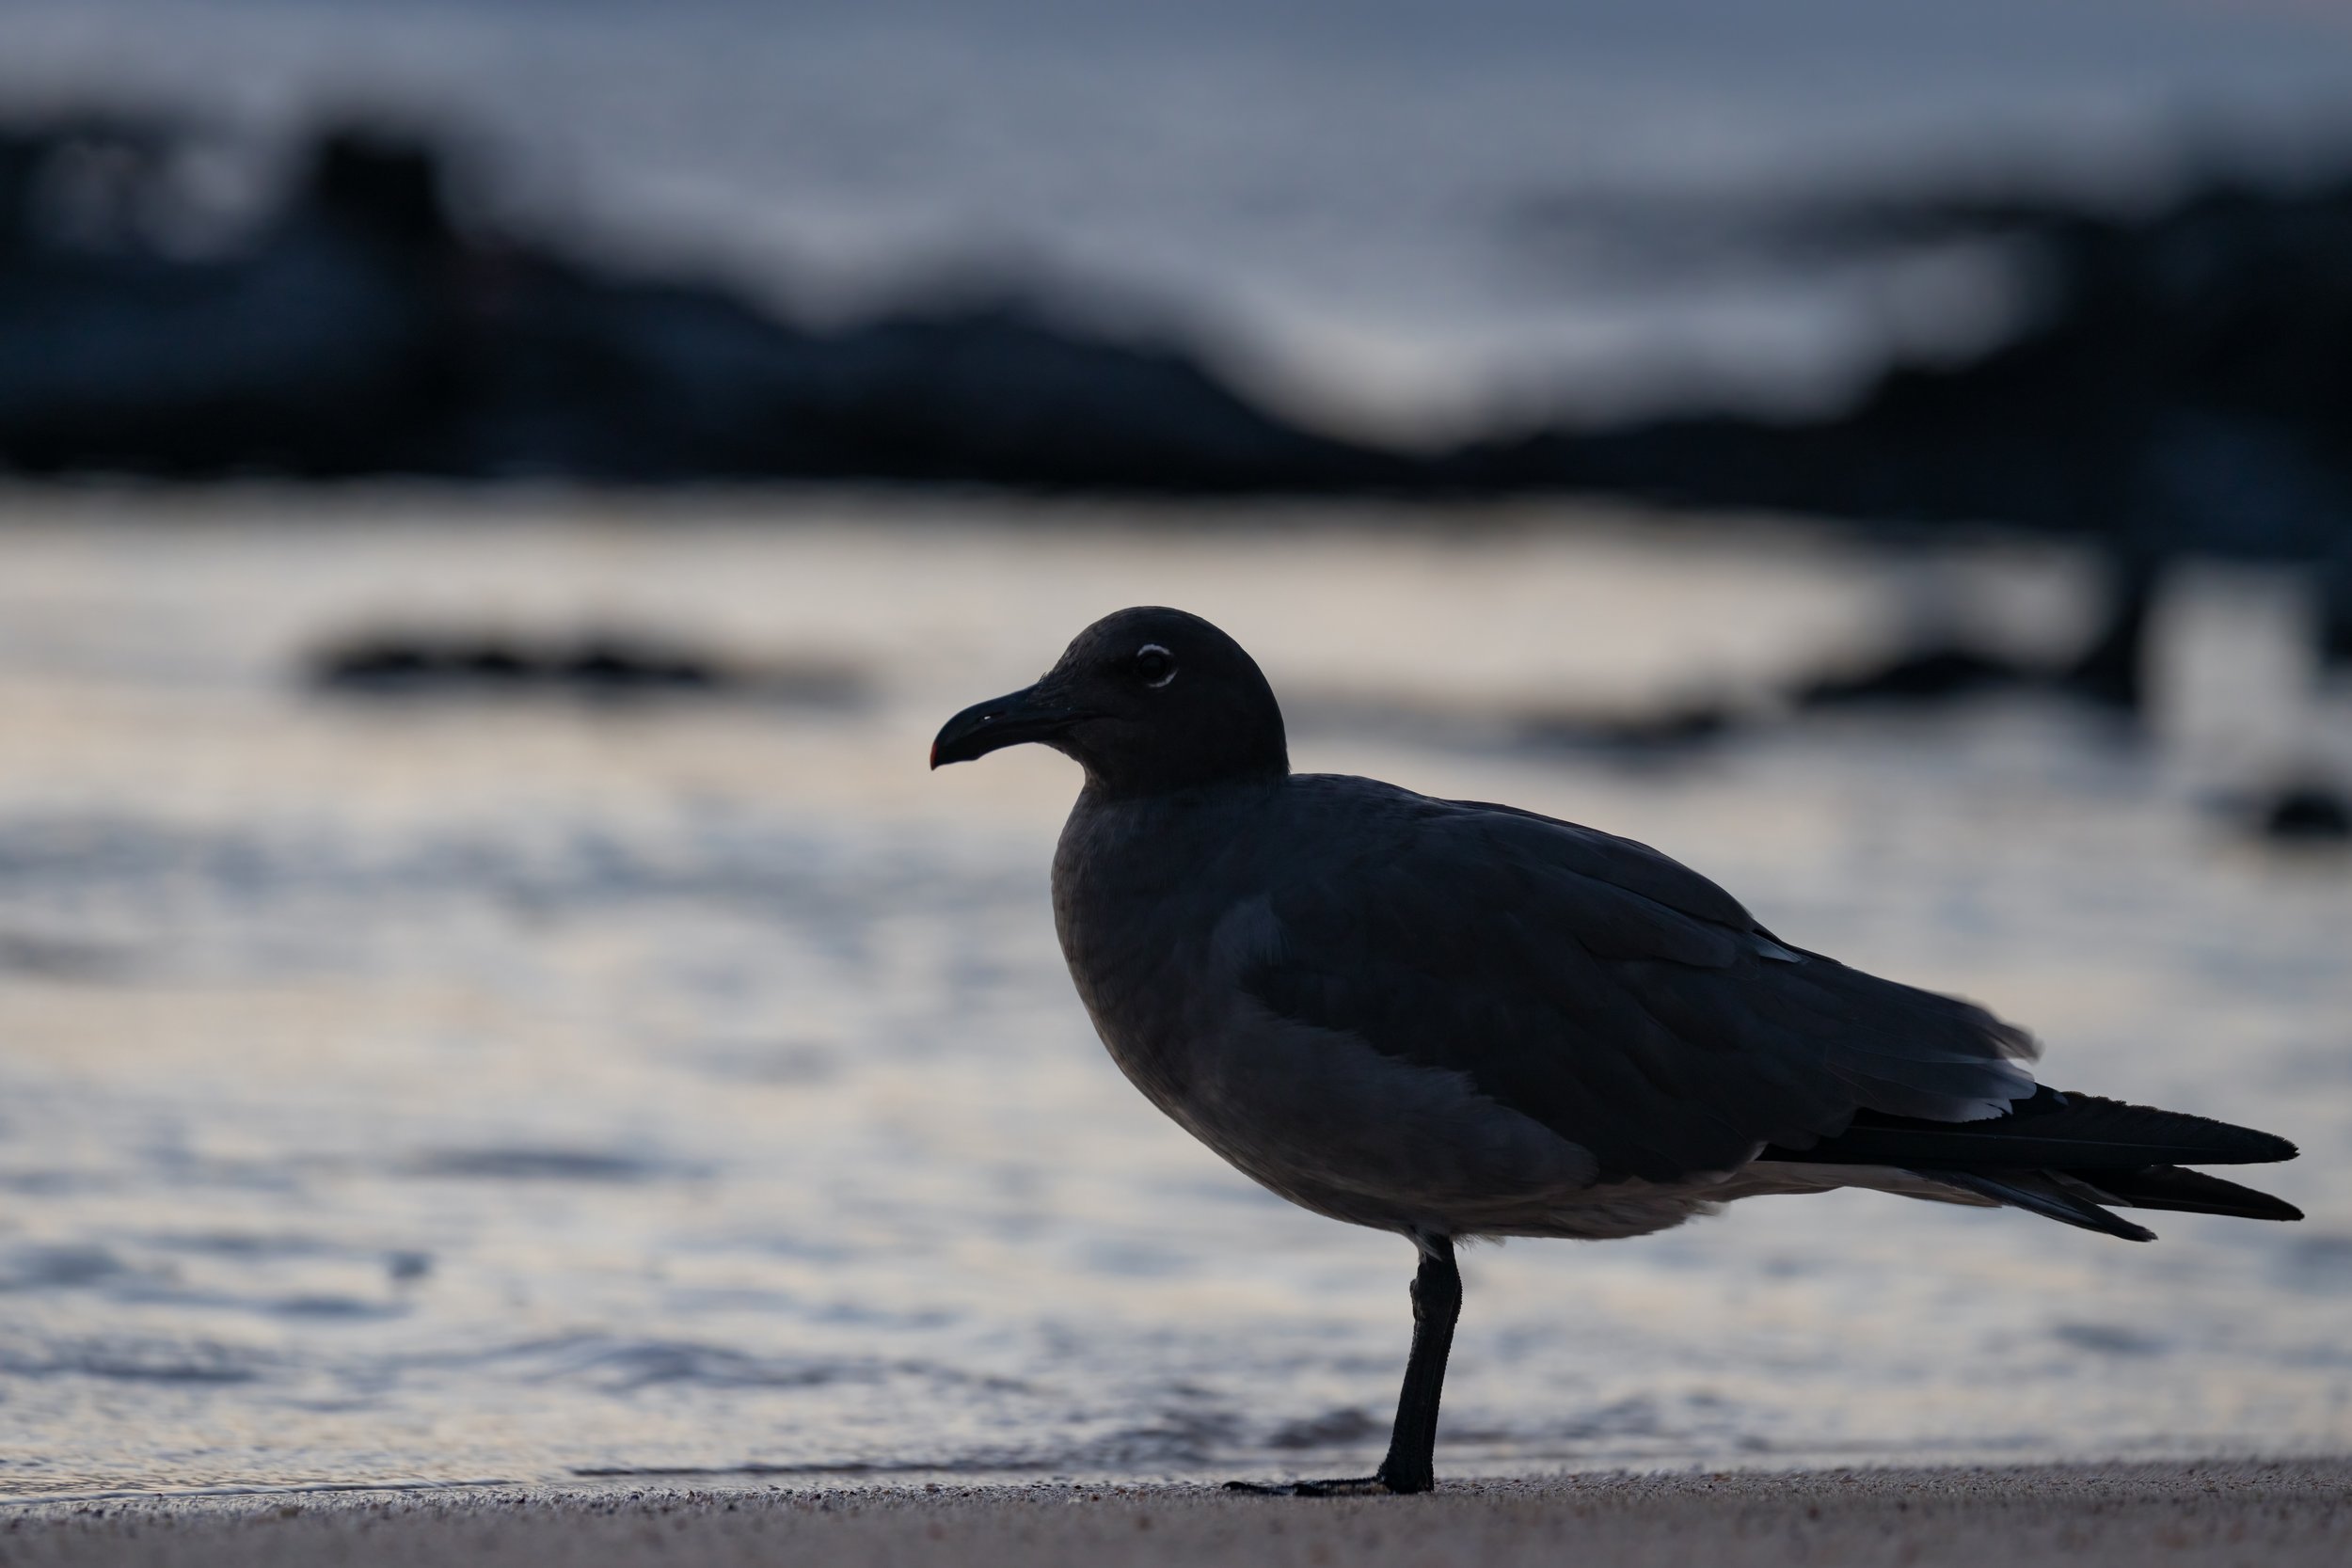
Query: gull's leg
(1410,1465)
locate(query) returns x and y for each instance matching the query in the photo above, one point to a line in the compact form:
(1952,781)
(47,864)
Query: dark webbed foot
(1350,1486)
(1346,1486)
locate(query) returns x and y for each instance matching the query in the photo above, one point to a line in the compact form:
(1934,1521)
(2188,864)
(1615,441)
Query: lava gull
(1450,1019)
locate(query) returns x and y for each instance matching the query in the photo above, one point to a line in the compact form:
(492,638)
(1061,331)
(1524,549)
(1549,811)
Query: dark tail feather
(2050,1193)
(2188,1191)
(2070,1157)
(2049,1132)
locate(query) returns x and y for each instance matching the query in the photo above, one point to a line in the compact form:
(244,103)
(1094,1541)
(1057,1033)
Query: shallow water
(455,1091)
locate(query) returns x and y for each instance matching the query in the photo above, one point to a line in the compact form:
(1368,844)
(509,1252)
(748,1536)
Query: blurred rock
(2112,671)
(2184,387)
(2308,812)
(362,331)
(600,664)
(1938,674)
(2184,384)
(2108,673)
(2335,606)
(1673,729)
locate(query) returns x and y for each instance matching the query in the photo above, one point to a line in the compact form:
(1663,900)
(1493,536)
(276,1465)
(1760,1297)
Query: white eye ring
(1155,648)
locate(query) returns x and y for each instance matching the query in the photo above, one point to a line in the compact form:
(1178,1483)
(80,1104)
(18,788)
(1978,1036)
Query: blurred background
(496,497)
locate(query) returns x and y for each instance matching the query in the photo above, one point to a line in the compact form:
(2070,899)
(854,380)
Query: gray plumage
(1434,1016)
(1450,1019)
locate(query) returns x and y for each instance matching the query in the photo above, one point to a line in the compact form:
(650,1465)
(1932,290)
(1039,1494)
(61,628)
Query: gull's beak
(1002,722)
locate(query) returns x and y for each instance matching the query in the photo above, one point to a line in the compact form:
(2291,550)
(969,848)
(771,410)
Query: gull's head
(1147,701)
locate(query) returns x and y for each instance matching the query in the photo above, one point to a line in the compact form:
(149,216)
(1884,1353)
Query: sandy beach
(2268,1513)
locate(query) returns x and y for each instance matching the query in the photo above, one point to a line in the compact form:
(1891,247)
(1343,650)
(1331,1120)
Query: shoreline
(2255,1511)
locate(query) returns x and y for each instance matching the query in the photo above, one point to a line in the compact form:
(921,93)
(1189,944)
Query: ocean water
(441,1091)
(1405,220)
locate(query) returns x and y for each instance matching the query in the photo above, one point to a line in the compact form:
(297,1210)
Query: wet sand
(2267,1513)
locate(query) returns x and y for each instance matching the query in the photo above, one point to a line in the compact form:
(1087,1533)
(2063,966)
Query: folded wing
(1620,999)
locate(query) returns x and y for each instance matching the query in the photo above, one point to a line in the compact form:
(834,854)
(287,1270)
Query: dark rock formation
(363,332)
(605,665)
(2185,384)
(2308,812)
(1931,675)
(2184,387)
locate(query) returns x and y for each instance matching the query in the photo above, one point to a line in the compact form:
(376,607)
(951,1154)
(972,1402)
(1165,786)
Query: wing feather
(1605,990)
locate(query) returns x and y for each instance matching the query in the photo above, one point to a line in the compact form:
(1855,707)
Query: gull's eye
(1156,664)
